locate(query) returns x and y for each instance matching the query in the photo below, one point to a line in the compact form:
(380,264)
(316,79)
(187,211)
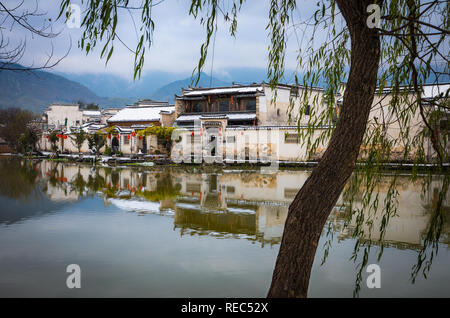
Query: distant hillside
(111,85)
(167,92)
(35,90)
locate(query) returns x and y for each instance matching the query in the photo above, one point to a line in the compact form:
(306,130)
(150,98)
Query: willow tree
(369,44)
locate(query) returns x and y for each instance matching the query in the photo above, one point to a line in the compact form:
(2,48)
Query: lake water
(190,232)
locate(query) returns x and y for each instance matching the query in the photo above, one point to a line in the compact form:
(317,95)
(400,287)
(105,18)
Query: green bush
(108,151)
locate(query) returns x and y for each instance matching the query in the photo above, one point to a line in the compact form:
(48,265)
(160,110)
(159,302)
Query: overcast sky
(177,40)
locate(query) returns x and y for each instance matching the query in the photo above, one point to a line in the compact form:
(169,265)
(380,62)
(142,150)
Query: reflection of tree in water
(78,184)
(19,179)
(165,188)
(95,183)
(432,236)
(216,224)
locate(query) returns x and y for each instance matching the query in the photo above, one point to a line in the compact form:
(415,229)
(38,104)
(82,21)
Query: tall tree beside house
(53,138)
(96,142)
(28,140)
(15,122)
(368,44)
(78,139)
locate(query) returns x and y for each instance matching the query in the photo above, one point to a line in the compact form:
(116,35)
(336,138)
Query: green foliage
(14,123)
(160,131)
(28,140)
(96,142)
(108,151)
(79,139)
(53,138)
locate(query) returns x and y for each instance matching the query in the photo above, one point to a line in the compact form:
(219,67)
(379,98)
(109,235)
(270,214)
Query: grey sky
(177,41)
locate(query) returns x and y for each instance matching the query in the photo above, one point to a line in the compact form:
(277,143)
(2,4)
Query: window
(193,187)
(251,105)
(198,107)
(308,110)
(196,139)
(290,193)
(126,141)
(291,139)
(224,106)
(231,139)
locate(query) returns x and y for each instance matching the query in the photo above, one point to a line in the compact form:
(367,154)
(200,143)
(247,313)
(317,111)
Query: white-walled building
(61,116)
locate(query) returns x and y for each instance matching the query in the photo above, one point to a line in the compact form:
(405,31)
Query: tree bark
(315,200)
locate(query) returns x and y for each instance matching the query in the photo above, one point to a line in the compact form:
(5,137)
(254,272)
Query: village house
(384,115)
(243,123)
(133,118)
(92,116)
(60,116)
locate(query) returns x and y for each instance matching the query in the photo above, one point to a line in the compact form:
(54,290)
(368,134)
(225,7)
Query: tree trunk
(315,200)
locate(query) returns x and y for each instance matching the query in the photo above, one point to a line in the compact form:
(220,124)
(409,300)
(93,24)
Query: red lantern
(109,136)
(133,134)
(140,137)
(47,136)
(192,134)
(128,137)
(65,136)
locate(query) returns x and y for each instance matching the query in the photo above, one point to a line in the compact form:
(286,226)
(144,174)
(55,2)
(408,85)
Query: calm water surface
(185,232)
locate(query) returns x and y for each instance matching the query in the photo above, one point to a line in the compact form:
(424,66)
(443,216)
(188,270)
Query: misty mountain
(160,84)
(167,92)
(156,85)
(110,85)
(36,90)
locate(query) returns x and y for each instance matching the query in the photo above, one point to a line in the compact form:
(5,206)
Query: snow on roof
(230,116)
(224,90)
(431,91)
(91,113)
(133,113)
(91,126)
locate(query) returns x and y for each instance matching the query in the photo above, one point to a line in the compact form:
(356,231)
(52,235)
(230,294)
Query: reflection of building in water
(412,217)
(245,204)
(263,198)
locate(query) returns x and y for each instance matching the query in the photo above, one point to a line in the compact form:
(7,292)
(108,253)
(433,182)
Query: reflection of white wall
(412,216)
(59,193)
(57,115)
